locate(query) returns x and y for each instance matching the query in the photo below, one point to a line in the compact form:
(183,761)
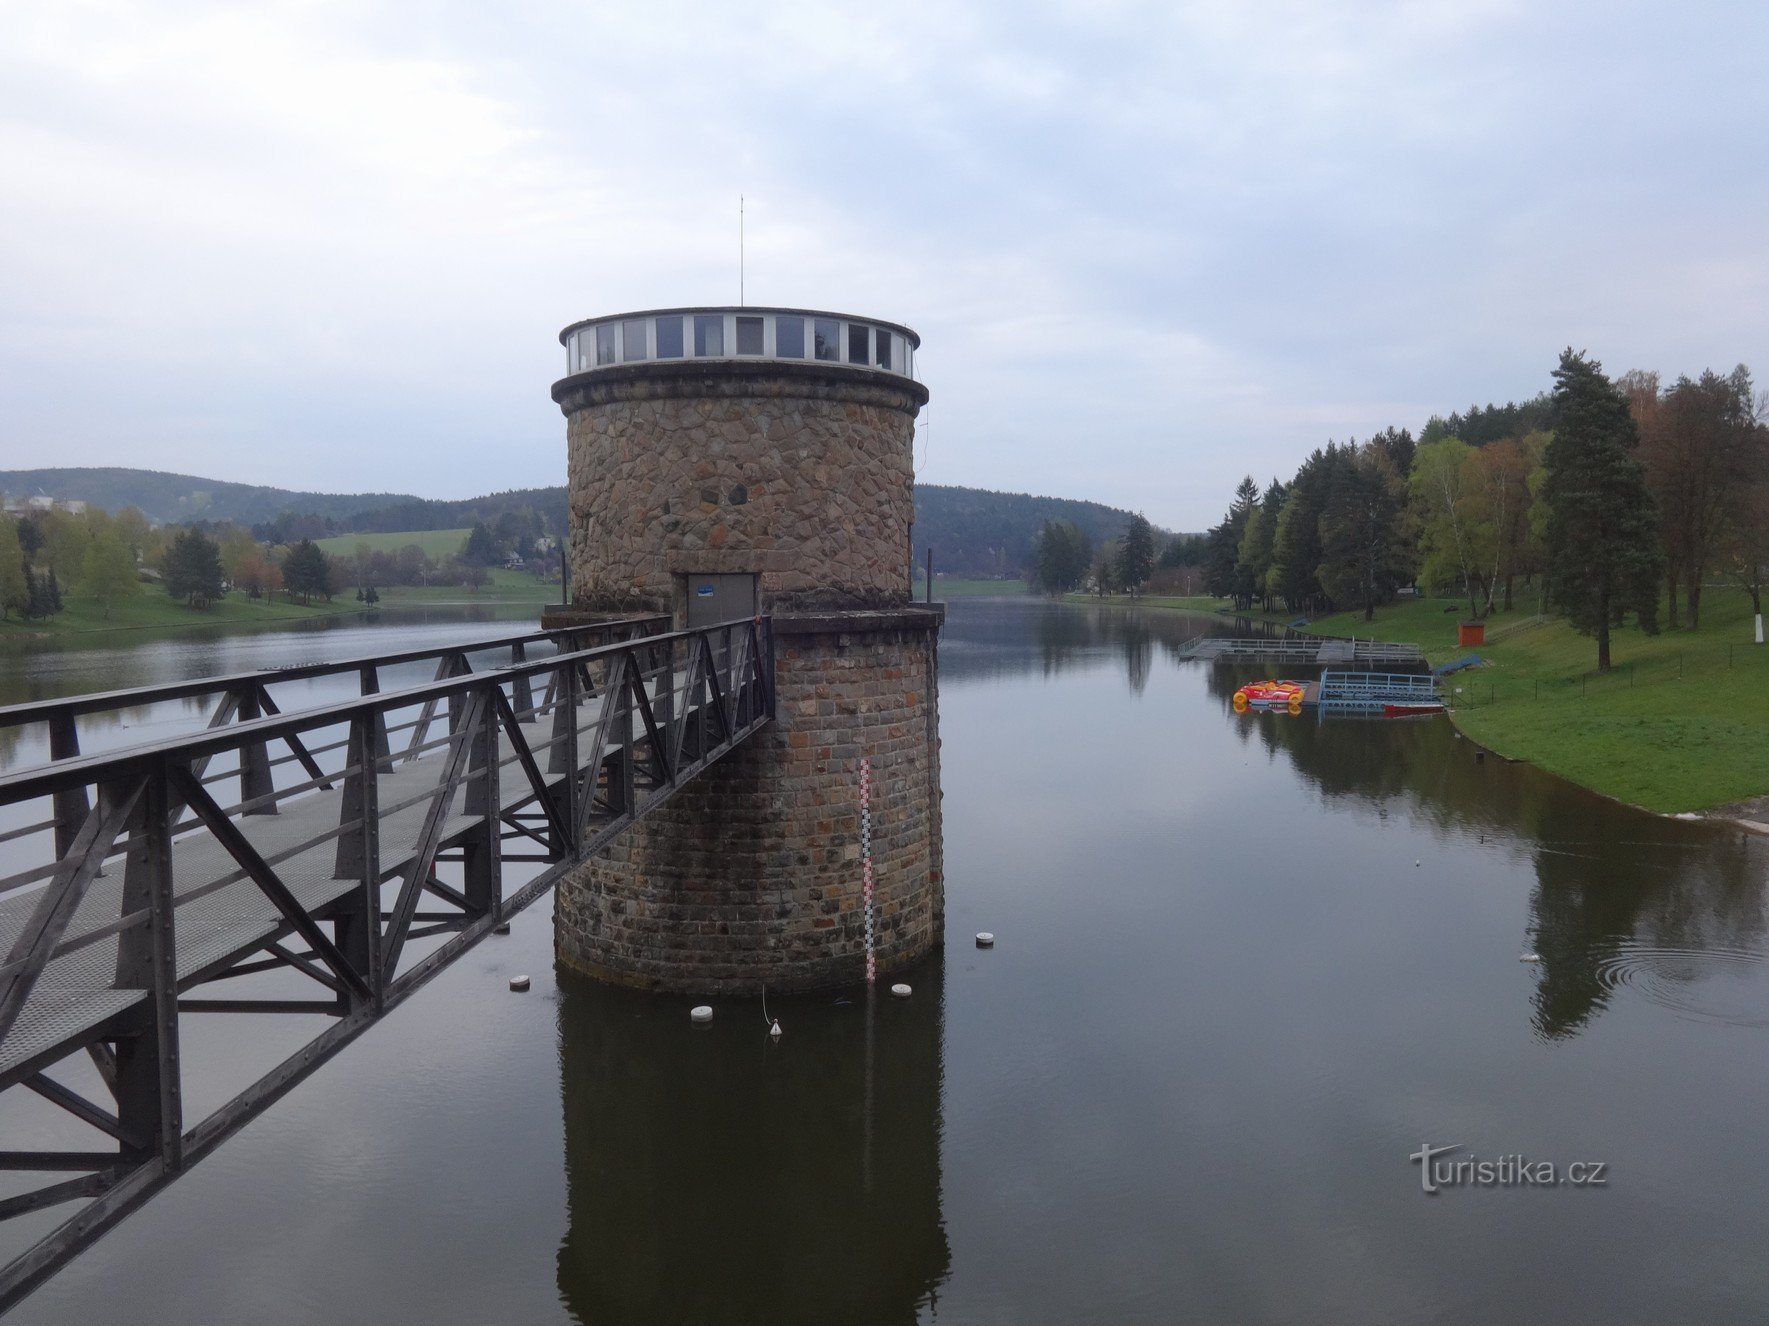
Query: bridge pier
(777,480)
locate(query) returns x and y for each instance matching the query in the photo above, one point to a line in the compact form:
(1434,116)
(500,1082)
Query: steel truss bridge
(351,849)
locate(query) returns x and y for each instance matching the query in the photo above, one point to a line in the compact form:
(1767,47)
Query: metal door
(720,598)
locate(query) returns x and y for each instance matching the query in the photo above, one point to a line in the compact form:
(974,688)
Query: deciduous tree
(1442,509)
(15,589)
(108,573)
(1060,557)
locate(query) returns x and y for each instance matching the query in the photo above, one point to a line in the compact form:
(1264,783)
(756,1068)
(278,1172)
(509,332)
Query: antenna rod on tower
(740,250)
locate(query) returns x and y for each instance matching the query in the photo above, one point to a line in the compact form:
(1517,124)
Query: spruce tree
(1602,532)
(1139,552)
(192,569)
(304,570)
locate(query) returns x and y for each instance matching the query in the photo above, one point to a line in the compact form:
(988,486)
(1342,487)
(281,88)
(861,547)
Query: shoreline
(1664,740)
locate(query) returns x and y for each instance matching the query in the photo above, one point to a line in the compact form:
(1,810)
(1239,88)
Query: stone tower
(726,462)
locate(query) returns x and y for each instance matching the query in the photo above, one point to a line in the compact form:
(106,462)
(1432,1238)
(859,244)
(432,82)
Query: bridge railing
(332,879)
(244,696)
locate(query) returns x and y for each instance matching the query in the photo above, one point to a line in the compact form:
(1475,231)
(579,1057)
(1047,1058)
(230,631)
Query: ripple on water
(1719,984)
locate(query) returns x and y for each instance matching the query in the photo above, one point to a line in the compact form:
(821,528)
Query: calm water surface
(1245,966)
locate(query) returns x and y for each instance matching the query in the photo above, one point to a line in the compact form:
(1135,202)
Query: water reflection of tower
(715,1177)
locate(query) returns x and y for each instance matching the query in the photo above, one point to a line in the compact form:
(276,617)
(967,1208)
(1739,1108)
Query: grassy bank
(1679,724)
(505,587)
(955,587)
(154,610)
(436,543)
(1195,604)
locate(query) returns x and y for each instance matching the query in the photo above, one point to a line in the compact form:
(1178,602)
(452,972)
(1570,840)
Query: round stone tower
(724,463)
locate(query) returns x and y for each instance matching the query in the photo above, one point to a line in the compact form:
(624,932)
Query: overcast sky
(1149,247)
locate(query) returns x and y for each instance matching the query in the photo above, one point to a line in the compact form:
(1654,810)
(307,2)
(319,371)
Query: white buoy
(1530,957)
(774,1030)
(985,939)
(701,1013)
(519,983)
(1415,863)
(901,991)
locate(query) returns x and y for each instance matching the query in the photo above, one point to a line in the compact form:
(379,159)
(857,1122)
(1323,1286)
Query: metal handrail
(42,711)
(76,770)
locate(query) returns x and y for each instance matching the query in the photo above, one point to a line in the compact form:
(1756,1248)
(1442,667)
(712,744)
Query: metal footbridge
(325,860)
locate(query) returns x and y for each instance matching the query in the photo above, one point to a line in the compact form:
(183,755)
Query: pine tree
(1139,552)
(481,549)
(1361,553)
(304,570)
(1603,550)
(193,569)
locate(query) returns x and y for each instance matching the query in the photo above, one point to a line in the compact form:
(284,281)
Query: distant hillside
(180,498)
(976,532)
(972,531)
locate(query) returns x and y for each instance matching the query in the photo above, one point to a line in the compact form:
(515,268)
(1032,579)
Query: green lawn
(957,587)
(436,543)
(1679,724)
(505,587)
(1197,604)
(153,609)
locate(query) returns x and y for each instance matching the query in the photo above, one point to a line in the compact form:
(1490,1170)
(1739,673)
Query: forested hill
(971,530)
(178,499)
(976,532)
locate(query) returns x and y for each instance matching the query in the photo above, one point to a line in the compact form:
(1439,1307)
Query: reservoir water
(1246,967)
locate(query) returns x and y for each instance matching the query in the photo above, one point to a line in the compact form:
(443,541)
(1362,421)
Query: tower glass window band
(709,335)
(789,338)
(826,335)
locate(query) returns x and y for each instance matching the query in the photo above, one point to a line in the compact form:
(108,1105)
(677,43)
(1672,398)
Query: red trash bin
(1470,633)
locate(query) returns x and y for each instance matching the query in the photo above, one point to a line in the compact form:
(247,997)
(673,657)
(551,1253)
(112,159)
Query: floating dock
(1326,652)
(1372,692)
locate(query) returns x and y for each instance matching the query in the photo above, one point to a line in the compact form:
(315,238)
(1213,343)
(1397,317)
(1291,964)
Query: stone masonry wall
(751,875)
(804,477)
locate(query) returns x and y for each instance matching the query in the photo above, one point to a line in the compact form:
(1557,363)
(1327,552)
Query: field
(154,610)
(1677,725)
(956,587)
(436,543)
(505,587)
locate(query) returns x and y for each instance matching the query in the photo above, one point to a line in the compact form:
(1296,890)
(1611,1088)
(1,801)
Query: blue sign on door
(705,591)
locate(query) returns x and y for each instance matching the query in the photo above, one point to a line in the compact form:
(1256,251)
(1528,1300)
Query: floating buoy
(901,991)
(1529,957)
(502,928)
(519,983)
(774,1030)
(701,1013)
(985,939)
(1415,865)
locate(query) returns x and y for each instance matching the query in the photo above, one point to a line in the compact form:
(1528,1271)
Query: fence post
(71,805)
(359,854)
(481,864)
(149,1094)
(255,780)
